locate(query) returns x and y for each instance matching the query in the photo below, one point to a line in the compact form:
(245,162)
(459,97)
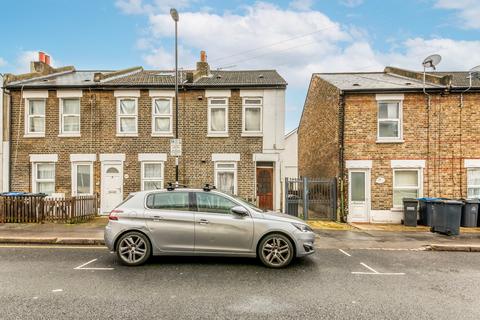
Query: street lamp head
(174,14)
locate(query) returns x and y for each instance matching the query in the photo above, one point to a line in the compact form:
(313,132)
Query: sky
(295,37)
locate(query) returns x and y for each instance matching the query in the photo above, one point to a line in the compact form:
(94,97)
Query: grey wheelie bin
(410,209)
(426,210)
(446,217)
(470,213)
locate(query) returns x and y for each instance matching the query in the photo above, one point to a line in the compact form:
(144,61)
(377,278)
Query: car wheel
(133,249)
(275,251)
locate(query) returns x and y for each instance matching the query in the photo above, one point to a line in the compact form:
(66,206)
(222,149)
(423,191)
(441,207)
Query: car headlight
(302,227)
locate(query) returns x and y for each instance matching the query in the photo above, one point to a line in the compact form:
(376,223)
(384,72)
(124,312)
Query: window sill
(170,135)
(390,141)
(32,135)
(217,135)
(127,134)
(396,209)
(252,134)
(69,135)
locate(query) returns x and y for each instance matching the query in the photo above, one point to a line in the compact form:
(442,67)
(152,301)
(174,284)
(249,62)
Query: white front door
(358,195)
(112,186)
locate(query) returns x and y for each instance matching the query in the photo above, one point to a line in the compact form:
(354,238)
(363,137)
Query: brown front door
(265,188)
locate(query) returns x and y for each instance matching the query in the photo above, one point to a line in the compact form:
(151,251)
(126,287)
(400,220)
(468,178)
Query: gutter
(341,138)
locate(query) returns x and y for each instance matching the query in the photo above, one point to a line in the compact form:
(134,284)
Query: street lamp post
(174,14)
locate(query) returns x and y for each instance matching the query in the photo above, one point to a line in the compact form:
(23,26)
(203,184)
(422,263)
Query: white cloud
(351,3)
(140,7)
(468,11)
(301,4)
(2,62)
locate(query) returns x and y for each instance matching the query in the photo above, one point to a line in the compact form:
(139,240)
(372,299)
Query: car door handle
(203,221)
(157,218)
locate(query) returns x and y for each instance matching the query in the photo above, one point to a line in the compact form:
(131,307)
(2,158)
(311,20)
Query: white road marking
(375,272)
(82,267)
(345,253)
(57,290)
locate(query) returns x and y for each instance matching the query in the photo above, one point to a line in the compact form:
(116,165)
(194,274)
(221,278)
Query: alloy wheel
(276,251)
(132,249)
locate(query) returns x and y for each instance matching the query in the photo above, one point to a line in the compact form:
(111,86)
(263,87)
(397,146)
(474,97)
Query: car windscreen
(248,204)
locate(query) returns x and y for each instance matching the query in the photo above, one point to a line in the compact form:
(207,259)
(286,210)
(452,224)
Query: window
(389,120)
(44,177)
(213,203)
(127,116)
(162,116)
(226,177)
(168,200)
(406,184)
(473,183)
(218,116)
(152,175)
(82,178)
(35,125)
(252,115)
(70,116)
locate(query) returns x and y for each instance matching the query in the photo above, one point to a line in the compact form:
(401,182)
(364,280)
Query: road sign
(175,147)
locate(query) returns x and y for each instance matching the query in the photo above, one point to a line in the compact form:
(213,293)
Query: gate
(308,198)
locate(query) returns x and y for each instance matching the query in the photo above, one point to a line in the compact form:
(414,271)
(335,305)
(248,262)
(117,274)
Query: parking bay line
(375,272)
(82,267)
(345,253)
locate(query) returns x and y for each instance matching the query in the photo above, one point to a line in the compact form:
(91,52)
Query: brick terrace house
(385,139)
(73,132)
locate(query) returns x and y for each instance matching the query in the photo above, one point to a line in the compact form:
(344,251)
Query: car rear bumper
(305,243)
(109,237)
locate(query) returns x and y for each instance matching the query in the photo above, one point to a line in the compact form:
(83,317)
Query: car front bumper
(304,243)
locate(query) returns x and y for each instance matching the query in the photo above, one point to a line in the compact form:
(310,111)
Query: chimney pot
(41,56)
(47,59)
(203,56)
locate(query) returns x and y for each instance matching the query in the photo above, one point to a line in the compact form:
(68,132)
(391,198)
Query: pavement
(330,235)
(66,282)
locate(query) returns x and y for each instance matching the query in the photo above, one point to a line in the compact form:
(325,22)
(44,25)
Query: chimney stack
(203,69)
(41,66)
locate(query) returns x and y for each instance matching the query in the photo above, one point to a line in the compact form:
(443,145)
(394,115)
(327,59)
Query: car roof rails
(208,187)
(173,186)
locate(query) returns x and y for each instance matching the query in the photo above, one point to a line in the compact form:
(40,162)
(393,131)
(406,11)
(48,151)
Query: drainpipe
(341,116)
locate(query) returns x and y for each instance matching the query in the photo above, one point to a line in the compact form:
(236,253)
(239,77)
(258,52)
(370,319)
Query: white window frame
(64,133)
(28,117)
(217,106)
(169,116)
(35,180)
(399,120)
(233,169)
(245,106)
(419,186)
(119,116)
(75,165)
(142,174)
(472,186)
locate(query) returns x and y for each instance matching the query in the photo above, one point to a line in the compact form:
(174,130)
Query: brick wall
(436,135)
(318,142)
(98,135)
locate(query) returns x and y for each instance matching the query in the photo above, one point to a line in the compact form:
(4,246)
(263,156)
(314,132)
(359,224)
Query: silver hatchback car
(203,222)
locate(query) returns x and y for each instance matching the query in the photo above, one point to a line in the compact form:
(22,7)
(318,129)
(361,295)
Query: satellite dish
(474,72)
(431,61)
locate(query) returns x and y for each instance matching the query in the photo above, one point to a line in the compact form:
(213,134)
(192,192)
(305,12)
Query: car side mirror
(239,210)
